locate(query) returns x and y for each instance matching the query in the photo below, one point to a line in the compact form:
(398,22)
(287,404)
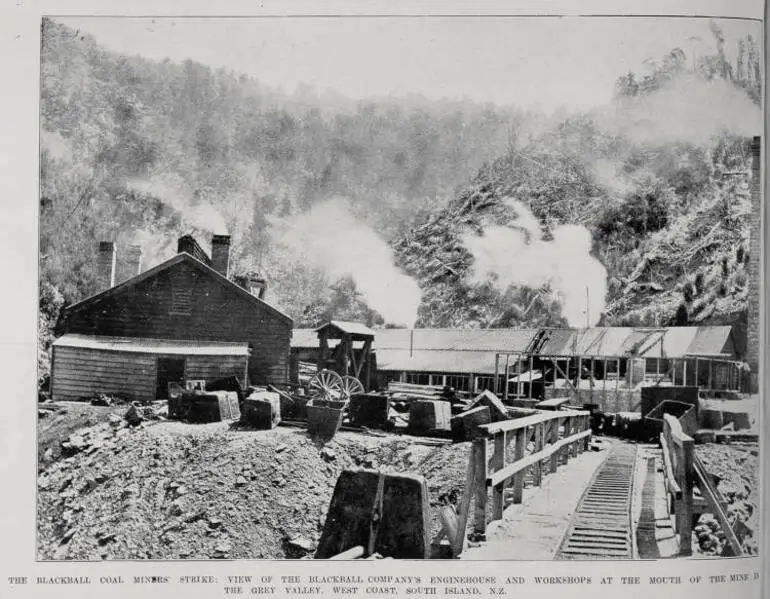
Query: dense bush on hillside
(140,151)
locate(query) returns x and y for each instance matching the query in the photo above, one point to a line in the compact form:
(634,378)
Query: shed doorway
(170,370)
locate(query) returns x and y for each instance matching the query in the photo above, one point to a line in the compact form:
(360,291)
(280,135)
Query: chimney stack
(105,265)
(188,245)
(755,267)
(220,254)
(133,260)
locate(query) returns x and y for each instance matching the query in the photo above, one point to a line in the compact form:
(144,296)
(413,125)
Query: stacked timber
(413,390)
(306,371)
(429,416)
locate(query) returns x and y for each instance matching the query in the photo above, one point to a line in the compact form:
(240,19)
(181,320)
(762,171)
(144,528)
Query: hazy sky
(530,62)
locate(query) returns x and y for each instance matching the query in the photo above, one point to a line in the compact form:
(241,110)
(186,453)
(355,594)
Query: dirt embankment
(172,490)
(737,470)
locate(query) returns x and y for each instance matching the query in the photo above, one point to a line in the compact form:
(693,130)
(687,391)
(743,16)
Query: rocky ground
(737,470)
(170,490)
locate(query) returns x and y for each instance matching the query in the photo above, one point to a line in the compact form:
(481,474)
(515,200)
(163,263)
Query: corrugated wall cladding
(210,368)
(216,313)
(84,373)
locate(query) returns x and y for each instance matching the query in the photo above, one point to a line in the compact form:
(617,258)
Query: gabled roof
(349,328)
(168,264)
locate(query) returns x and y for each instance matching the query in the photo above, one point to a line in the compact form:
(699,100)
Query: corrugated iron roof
(513,340)
(432,360)
(676,341)
(709,341)
(670,342)
(153,346)
(558,343)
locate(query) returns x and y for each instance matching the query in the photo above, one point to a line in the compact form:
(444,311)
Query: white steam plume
(156,247)
(686,109)
(518,255)
(174,192)
(329,237)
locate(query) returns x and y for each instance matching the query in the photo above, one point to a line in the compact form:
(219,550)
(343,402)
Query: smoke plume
(517,254)
(174,192)
(331,238)
(686,109)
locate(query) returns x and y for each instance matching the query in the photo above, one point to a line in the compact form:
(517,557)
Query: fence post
(498,462)
(480,509)
(518,479)
(537,472)
(685,513)
(554,438)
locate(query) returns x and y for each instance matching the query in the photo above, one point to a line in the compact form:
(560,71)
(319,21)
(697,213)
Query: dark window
(170,370)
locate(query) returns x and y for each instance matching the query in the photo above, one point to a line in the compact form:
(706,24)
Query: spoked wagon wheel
(327,382)
(351,386)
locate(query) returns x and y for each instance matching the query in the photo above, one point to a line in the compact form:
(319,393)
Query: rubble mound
(169,490)
(737,470)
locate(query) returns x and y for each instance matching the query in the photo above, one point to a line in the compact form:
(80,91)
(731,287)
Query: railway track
(601,525)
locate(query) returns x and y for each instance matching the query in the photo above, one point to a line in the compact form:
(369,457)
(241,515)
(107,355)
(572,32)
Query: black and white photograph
(399,287)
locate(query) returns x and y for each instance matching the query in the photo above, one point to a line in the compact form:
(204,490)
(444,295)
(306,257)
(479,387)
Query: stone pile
(171,490)
(737,471)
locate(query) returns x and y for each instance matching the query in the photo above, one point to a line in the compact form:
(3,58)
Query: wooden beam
(505,378)
(465,502)
(350,351)
(364,357)
(518,454)
(480,508)
(556,366)
(579,371)
(530,376)
(498,463)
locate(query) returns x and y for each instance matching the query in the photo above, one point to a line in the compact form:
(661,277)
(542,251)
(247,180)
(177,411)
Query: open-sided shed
(137,368)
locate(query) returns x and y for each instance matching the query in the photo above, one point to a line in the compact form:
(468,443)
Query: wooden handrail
(507,472)
(678,455)
(519,423)
(491,466)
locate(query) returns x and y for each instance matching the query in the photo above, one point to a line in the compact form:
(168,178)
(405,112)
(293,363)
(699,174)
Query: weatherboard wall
(83,373)
(184,302)
(80,373)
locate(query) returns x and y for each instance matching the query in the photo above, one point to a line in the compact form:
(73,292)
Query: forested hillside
(136,150)
(660,180)
(473,201)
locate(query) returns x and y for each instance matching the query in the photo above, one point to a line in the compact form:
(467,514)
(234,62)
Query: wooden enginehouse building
(182,319)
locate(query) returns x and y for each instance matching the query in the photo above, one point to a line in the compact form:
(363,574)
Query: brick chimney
(133,260)
(220,254)
(105,265)
(188,245)
(755,267)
